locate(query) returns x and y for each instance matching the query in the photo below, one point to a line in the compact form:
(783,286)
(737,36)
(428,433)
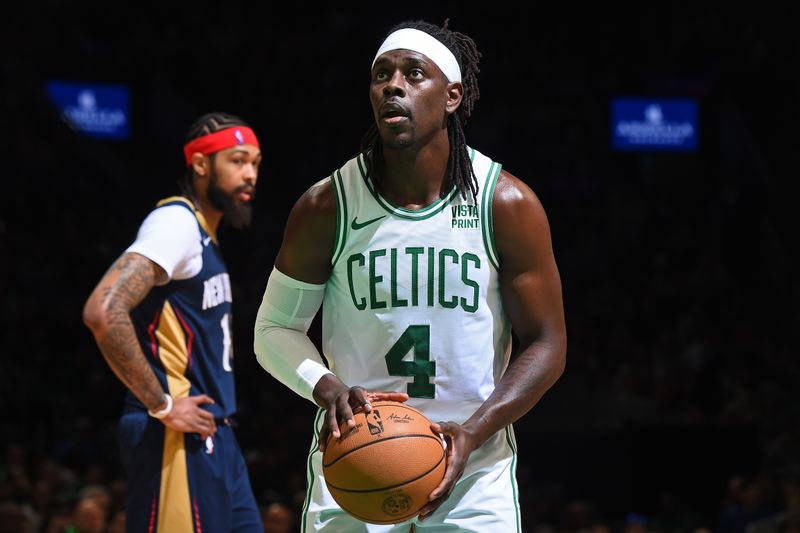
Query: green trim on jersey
(341,216)
(310,478)
(486,214)
(401,212)
(513,445)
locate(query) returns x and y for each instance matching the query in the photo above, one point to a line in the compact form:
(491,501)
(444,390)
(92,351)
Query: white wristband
(165,411)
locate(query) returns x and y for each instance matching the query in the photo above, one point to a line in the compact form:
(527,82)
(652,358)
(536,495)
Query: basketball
(382,470)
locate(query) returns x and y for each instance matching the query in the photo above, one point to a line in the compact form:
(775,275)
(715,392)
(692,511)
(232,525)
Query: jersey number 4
(421,368)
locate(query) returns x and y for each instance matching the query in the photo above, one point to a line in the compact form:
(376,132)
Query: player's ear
(455,92)
(200,165)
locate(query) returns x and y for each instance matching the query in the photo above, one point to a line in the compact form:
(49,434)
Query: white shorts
(484,499)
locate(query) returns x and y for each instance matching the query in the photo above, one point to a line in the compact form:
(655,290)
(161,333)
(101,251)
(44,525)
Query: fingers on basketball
(383,469)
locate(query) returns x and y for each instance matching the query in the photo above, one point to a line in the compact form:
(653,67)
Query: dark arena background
(678,410)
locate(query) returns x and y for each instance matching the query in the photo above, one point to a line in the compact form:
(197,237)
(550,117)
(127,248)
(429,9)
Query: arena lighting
(98,110)
(642,124)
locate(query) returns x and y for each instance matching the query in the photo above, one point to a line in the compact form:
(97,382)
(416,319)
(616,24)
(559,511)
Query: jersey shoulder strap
(487,172)
(205,229)
(348,183)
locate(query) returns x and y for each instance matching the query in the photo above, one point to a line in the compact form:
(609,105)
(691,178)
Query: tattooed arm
(107,315)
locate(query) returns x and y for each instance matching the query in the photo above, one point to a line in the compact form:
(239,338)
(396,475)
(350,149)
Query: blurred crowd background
(678,411)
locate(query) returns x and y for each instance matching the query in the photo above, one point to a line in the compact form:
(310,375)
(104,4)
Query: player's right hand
(342,402)
(339,402)
(188,417)
(386,396)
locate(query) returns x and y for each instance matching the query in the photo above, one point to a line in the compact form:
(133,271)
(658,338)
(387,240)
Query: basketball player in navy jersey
(161,316)
(424,254)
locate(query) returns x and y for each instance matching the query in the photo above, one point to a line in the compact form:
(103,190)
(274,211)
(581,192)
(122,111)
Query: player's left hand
(460,444)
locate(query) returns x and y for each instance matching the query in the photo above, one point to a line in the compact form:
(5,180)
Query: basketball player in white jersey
(424,255)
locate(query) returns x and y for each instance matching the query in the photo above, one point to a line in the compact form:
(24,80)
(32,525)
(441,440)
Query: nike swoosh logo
(358,225)
(206,241)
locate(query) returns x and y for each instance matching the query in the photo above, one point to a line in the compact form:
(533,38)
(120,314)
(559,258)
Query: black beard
(233,214)
(398,145)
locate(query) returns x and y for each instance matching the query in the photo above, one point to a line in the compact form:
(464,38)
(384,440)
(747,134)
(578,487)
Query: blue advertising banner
(657,124)
(98,110)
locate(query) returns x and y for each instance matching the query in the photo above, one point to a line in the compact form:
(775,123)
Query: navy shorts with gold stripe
(179,483)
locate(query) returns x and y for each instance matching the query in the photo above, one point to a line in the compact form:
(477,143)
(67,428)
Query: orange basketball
(383,470)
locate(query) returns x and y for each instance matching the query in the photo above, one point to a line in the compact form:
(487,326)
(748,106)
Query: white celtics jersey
(413,301)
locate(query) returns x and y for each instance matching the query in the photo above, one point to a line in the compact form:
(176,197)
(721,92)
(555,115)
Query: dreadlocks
(208,123)
(459,165)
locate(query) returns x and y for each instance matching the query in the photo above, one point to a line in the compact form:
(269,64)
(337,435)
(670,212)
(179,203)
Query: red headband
(220,140)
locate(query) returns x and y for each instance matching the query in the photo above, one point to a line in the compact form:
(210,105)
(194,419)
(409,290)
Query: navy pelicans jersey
(413,301)
(184,329)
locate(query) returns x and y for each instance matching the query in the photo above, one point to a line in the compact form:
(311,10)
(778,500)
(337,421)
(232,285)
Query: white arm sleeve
(170,238)
(281,344)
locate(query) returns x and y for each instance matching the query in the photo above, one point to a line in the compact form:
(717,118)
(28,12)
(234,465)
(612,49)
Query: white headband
(424,43)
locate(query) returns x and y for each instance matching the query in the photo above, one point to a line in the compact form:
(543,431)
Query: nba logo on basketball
(374,423)
(367,472)
(239,136)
